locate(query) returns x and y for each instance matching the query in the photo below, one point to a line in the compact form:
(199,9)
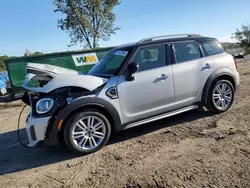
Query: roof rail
(169,36)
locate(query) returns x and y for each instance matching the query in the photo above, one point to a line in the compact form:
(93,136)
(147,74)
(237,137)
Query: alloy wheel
(88,133)
(222,96)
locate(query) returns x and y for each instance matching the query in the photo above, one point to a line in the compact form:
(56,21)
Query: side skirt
(179,111)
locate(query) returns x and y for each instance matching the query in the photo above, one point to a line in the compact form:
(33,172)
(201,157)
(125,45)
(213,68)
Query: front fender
(89,101)
(53,129)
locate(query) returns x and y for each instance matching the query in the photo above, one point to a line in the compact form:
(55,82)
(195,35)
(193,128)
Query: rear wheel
(220,96)
(87,131)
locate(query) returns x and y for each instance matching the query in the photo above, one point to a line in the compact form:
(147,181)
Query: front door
(151,92)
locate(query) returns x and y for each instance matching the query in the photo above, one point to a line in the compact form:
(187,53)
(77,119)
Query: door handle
(163,77)
(207,66)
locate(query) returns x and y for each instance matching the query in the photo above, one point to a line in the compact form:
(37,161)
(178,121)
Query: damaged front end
(49,90)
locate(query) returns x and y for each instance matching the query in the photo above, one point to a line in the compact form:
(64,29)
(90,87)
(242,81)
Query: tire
(85,126)
(220,96)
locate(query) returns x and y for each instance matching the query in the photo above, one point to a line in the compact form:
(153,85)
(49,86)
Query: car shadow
(157,125)
(14,157)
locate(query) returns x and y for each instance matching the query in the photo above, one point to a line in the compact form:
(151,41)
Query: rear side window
(186,51)
(211,47)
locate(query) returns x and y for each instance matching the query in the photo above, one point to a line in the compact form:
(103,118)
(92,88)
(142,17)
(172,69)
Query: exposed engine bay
(58,85)
(61,97)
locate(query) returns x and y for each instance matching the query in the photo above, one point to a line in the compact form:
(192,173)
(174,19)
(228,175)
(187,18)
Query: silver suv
(132,85)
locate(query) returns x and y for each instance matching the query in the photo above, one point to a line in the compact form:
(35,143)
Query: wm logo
(85,59)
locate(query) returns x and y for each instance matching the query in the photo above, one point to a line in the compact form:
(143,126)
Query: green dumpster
(81,61)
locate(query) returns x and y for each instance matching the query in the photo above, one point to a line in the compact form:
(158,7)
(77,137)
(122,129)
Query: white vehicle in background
(239,55)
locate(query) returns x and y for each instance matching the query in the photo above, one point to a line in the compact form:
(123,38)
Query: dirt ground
(194,149)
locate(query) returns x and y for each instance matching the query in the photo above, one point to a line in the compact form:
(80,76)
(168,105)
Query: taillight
(235,63)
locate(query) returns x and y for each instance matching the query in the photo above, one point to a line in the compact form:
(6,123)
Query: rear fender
(216,74)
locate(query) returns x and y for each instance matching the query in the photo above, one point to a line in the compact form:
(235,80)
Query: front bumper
(36,129)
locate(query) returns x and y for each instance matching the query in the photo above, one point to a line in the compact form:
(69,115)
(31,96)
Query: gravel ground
(194,149)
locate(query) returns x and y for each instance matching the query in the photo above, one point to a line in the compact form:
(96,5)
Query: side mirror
(132,68)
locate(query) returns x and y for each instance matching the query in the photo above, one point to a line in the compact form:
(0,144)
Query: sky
(32,24)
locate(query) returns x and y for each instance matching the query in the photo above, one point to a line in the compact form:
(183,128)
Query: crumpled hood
(55,77)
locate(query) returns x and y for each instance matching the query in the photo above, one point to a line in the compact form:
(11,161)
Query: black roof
(198,39)
(165,40)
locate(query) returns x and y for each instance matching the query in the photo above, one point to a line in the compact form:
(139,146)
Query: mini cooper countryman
(132,85)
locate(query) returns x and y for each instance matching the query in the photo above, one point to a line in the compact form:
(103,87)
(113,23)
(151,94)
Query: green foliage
(247,51)
(29,53)
(243,36)
(229,45)
(2,64)
(37,53)
(87,21)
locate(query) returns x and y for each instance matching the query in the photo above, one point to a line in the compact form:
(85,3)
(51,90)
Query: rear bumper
(237,87)
(237,80)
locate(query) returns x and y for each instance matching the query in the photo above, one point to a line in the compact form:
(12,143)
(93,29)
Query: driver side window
(150,57)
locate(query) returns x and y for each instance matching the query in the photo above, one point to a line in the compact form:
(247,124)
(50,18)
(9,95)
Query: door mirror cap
(132,68)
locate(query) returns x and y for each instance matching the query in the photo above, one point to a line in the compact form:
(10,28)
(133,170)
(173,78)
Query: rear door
(191,69)
(151,92)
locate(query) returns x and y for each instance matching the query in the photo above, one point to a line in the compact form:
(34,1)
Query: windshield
(110,63)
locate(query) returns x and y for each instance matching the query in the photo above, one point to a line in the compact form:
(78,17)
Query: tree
(243,35)
(2,65)
(229,45)
(37,53)
(87,21)
(27,52)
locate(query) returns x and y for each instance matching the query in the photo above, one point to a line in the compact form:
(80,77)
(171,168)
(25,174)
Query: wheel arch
(217,75)
(90,106)
(91,102)
(81,104)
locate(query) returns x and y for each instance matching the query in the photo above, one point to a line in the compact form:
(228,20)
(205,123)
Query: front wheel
(87,131)
(220,96)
